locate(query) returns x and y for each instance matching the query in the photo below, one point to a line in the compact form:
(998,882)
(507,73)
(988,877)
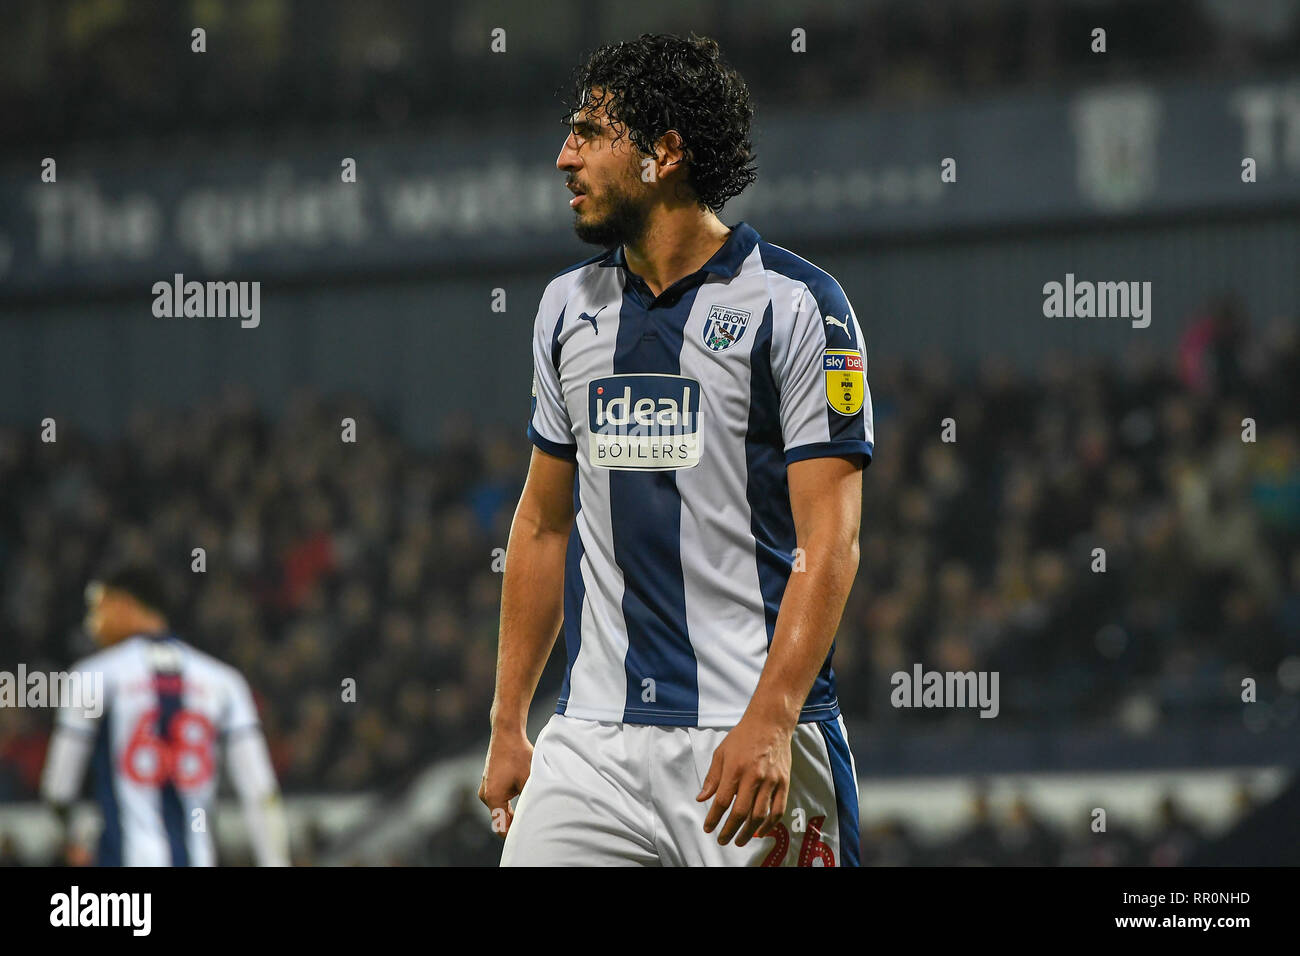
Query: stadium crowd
(1016,835)
(72,69)
(991,835)
(980,554)
(376,562)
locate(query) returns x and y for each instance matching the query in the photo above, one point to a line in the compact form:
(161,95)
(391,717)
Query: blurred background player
(168,710)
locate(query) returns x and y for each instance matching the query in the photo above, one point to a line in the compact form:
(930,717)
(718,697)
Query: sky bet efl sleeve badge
(845,380)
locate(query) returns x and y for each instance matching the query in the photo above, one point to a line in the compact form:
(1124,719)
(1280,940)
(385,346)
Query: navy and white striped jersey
(170,712)
(682,412)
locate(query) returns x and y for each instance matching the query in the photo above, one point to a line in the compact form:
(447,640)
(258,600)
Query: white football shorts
(613,794)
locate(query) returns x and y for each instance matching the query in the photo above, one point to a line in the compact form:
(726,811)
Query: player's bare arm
(532,606)
(750,771)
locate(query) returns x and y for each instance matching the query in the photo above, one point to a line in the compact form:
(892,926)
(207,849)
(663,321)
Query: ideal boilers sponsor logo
(644,422)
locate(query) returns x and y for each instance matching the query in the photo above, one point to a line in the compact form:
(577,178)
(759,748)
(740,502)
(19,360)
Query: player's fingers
(497,799)
(739,810)
(758,813)
(501,820)
(711,778)
(774,810)
(779,801)
(496,795)
(779,796)
(516,786)
(501,817)
(725,794)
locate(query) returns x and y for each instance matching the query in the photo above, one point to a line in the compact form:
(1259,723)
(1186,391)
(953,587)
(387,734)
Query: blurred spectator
(1175,838)
(1026,840)
(978,844)
(1020,837)
(89,68)
(890,843)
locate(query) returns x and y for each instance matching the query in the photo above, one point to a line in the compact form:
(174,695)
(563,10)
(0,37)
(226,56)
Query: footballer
(171,712)
(700,421)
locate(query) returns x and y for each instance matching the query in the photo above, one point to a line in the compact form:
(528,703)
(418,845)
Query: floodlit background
(1119,690)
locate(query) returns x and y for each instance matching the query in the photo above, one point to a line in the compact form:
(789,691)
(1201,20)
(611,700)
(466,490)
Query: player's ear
(670,152)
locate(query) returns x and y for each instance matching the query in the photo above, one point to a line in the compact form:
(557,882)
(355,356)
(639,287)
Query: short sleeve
(549,427)
(822,380)
(87,696)
(241,711)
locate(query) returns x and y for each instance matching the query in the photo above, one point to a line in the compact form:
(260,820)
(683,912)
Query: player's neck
(676,243)
(153,631)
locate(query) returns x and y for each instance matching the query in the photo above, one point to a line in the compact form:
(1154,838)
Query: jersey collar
(725,262)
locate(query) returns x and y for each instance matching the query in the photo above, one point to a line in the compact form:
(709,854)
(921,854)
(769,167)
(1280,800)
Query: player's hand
(509,760)
(752,768)
(75,854)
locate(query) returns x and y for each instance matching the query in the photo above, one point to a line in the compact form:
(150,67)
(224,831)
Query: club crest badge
(724,327)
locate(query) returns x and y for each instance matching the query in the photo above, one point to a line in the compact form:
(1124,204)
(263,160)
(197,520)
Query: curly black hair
(659,82)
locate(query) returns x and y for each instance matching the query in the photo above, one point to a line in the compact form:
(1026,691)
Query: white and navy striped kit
(682,412)
(169,709)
